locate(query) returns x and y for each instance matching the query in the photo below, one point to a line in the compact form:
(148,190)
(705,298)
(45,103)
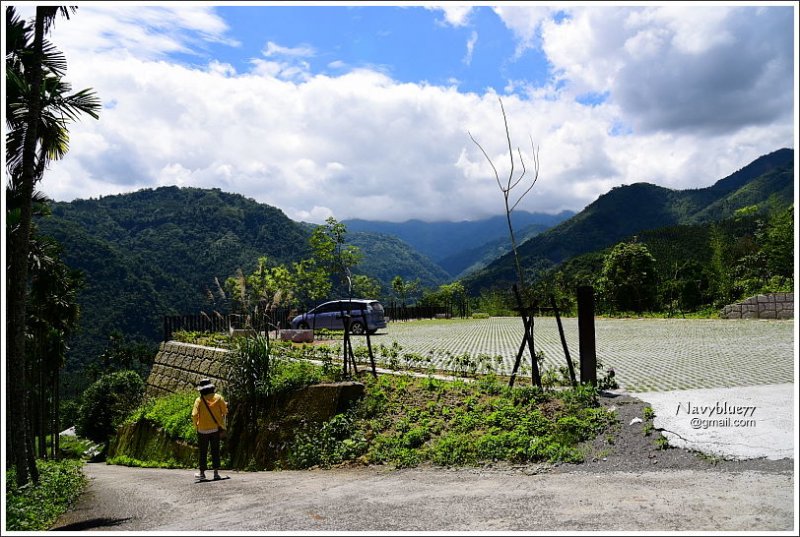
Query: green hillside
(157,252)
(632,209)
(472,259)
(386,256)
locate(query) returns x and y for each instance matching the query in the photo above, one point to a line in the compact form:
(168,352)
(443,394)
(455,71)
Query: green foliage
(405,290)
(495,303)
(778,244)
(124,460)
(106,403)
(628,279)
(405,421)
(633,209)
(366,287)
(333,443)
(260,367)
(386,256)
(206,339)
(68,412)
(171,413)
(36,507)
(73,447)
(154,252)
(249,368)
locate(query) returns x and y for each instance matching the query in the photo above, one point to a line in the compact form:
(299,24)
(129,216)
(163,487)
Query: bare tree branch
(512,183)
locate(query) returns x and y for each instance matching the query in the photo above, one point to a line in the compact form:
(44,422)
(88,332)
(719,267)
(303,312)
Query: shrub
(171,413)
(36,507)
(106,403)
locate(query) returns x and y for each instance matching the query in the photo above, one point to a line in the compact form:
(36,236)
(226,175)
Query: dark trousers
(203,440)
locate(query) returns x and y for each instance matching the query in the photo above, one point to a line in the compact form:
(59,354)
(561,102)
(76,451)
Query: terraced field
(646,354)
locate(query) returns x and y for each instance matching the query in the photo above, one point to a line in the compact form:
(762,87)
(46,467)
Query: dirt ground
(626,484)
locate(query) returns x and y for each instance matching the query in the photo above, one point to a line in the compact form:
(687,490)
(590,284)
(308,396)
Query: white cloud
(473,39)
(710,69)
(273,49)
(360,144)
(524,22)
(151,32)
(454,15)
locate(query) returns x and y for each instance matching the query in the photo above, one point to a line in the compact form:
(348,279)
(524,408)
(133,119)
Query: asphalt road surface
(507,498)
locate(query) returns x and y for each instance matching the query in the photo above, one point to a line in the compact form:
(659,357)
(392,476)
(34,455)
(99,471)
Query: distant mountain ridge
(627,210)
(457,245)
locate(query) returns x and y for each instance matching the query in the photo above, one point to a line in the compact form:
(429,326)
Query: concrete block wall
(179,366)
(770,306)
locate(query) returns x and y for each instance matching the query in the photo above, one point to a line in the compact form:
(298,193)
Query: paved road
(433,499)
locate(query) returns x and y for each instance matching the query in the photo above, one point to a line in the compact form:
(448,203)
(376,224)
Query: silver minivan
(329,315)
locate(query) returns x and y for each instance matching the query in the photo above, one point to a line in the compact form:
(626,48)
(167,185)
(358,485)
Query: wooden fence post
(586,335)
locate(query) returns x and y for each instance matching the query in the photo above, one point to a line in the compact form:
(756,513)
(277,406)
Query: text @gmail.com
(719,414)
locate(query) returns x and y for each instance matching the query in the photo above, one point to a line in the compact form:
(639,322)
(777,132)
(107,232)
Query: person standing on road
(208,414)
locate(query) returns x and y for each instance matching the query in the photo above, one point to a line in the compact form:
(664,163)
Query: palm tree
(52,318)
(37,112)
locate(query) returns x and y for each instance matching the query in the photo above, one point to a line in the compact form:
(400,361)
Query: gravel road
(628,485)
(529,498)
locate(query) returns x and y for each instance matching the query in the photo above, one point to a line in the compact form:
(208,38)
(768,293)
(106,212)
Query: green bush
(36,507)
(171,413)
(106,403)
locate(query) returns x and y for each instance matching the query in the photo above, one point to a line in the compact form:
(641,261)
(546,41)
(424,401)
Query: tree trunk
(16,385)
(56,415)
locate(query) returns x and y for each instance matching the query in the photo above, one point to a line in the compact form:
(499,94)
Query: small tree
(511,202)
(628,280)
(366,287)
(106,403)
(332,254)
(404,289)
(510,184)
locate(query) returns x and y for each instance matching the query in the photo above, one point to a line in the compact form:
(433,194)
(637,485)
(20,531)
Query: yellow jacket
(201,417)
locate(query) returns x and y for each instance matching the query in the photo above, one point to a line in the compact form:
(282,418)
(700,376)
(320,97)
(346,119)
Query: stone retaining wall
(179,367)
(771,306)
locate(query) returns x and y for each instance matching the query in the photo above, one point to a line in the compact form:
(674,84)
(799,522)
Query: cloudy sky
(367,112)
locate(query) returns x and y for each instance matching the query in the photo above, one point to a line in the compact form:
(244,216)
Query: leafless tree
(511,201)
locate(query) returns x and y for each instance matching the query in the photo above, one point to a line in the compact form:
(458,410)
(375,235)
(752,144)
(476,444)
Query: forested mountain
(462,263)
(442,240)
(628,210)
(386,256)
(157,252)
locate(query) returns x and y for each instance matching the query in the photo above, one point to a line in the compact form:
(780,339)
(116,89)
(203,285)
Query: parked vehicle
(329,315)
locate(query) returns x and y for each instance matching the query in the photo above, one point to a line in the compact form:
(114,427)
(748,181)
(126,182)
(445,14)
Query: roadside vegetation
(404,419)
(36,507)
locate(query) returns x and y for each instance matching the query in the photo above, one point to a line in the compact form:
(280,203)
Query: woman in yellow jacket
(208,427)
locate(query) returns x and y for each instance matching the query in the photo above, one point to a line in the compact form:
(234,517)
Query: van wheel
(303,326)
(357,328)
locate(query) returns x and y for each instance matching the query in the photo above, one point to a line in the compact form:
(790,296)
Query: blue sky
(409,44)
(353,111)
